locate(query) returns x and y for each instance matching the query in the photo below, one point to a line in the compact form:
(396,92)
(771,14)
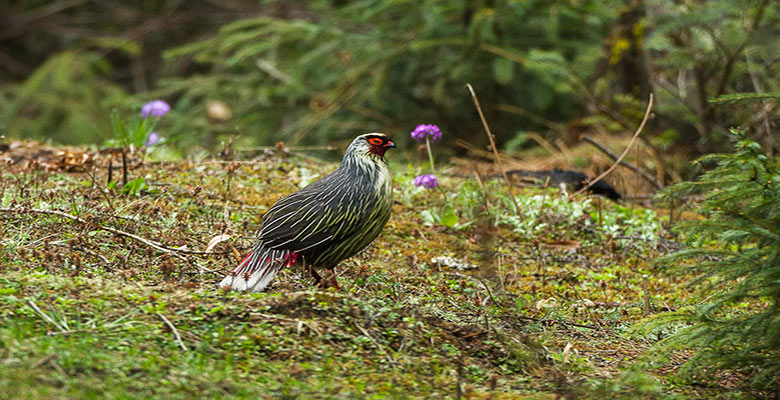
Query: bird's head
(371,143)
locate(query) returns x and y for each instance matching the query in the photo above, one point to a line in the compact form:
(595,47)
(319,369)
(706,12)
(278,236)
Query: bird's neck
(369,169)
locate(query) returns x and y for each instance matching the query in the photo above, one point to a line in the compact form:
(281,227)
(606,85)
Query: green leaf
(503,70)
(448,217)
(134,187)
(128,46)
(428,217)
(119,127)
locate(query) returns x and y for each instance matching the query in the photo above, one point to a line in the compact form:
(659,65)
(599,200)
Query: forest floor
(105,294)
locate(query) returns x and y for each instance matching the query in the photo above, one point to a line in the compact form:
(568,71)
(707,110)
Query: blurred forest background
(315,72)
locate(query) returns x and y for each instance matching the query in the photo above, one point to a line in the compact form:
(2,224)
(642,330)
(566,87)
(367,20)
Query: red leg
(291,259)
(331,280)
(334,283)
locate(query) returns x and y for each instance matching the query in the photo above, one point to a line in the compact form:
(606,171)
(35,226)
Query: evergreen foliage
(744,97)
(736,255)
(377,64)
(322,70)
(66,99)
(700,50)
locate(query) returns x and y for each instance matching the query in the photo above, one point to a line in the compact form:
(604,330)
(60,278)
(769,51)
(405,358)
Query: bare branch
(622,162)
(623,155)
(492,142)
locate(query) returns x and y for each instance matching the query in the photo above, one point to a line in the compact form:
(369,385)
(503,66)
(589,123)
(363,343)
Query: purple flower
(153,139)
(427,181)
(156,108)
(424,130)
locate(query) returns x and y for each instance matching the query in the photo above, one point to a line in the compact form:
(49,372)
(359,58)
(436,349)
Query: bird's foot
(333,282)
(329,281)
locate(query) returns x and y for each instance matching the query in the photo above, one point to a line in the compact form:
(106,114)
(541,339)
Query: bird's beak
(390,144)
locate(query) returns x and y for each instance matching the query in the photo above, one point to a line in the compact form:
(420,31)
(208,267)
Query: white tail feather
(256,272)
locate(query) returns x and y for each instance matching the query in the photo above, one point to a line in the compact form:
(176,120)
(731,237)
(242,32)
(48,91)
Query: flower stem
(430,154)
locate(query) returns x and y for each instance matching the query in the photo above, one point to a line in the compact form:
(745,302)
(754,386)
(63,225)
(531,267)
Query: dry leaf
(215,241)
(546,303)
(569,245)
(567,352)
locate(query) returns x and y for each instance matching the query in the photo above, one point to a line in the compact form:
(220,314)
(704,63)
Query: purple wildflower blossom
(156,108)
(427,181)
(426,130)
(153,139)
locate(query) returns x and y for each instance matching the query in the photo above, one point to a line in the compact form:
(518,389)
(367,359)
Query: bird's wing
(312,217)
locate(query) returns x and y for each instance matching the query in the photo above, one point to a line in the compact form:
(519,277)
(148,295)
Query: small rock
(444,261)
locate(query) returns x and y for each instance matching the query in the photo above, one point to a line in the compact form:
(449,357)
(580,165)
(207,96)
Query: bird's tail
(258,269)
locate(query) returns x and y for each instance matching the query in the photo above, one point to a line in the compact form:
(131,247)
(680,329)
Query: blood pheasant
(324,223)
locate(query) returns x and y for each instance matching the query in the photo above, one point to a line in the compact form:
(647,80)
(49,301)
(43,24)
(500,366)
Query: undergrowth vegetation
(736,257)
(425,311)
(108,293)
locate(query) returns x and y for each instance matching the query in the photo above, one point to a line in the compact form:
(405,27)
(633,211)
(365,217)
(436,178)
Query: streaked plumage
(326,222)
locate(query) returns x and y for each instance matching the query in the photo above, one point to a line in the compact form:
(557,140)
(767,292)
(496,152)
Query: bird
(556,177)
(328,221)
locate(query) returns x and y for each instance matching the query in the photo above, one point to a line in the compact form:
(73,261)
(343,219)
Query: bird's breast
(383,182)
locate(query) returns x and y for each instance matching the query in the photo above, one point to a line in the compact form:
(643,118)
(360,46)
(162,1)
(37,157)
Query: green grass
(531,321)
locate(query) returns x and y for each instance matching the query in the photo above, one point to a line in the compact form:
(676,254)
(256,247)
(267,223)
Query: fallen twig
(624,163)
(150,243)
(378,347)
(646,310)
(622,155)
(47,318)
(558,321)
(96,254)
(490,294)
(175,332)
(293,148)
(252,162)
(124,168)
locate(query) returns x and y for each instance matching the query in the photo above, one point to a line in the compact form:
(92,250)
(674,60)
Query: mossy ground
(87,313)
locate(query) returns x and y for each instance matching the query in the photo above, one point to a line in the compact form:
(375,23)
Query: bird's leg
(317,277)
(334,282)
(291,259)
(331,281)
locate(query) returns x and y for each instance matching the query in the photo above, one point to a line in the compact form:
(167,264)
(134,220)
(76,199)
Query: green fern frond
(744,98)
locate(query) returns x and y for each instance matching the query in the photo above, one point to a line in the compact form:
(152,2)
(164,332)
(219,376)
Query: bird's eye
(375,141)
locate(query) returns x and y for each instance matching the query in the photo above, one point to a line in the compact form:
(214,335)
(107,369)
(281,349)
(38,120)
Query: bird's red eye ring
(375,141)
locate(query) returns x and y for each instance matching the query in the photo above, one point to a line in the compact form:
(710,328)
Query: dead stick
(624,163)
(559,322)
(293,148)
(108,181)
(378,347)
(458,390)
(46,317)
(175,332)
(492,144)
(646,310)
(96,254)
(124,168)
(490,294)
(623,155)
(489,133)
(147,242)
